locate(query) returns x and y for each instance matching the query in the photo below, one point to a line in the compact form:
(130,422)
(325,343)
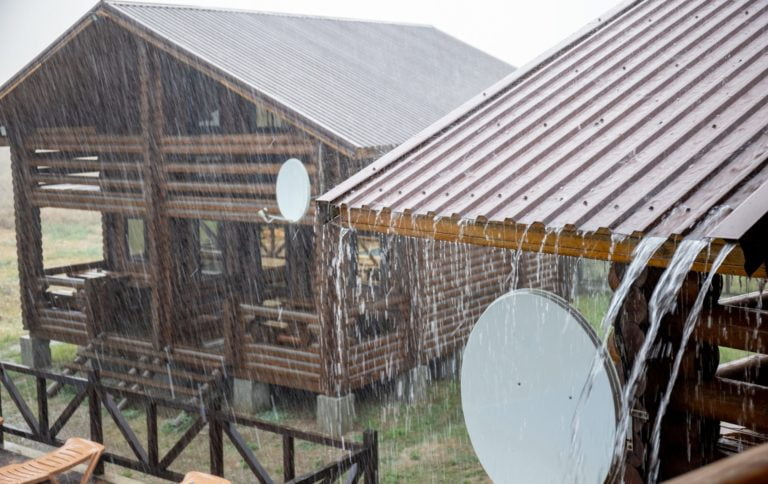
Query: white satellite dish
(294,191)
(524,368)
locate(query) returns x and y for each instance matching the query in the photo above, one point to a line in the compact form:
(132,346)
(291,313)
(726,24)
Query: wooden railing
(750,466)
(360,459)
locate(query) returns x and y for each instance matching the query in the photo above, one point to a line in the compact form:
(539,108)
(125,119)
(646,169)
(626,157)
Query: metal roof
(370,83)
(641,124)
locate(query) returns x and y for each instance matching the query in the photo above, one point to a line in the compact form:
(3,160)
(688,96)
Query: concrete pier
(336,415)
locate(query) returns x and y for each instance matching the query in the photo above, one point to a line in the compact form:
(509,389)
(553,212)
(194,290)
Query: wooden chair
(45,468)
(195,477)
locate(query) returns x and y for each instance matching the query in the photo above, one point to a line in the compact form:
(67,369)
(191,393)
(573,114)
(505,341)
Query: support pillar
(251,396)
(336,415)
(35,352)
(412,386)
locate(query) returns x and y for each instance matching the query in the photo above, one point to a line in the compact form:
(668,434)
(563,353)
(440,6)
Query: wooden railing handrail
(363,456)
(280,314)
(750,466)
(84,266)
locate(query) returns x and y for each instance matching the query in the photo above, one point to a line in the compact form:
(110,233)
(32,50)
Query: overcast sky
(512,30)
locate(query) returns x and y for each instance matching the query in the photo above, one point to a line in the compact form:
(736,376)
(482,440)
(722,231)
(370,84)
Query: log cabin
(650,121)
(172,123)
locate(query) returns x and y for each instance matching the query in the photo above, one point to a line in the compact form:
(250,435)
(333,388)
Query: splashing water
(662,302)
(640,257)
(690,324)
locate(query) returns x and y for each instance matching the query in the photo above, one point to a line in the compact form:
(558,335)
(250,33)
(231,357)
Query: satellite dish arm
(270,218)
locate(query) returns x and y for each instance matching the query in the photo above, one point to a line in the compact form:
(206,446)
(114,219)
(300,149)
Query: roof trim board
(534,238)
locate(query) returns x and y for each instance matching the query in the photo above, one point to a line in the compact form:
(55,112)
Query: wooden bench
(75,451)
(195,477)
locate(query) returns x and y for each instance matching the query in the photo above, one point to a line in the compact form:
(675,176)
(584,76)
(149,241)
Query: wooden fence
(360,460)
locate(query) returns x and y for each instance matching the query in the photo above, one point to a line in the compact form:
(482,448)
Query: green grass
(593,308)
(731,354)
(63,353)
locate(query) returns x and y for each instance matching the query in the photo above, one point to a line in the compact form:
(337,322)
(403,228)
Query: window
(267,120)
(211,260)
(369,260)
(137,244)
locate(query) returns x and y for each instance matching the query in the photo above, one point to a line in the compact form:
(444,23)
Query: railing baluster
(360,460)
(94,414)
(215,439)
(152,443)
(289,463)
(42,408)
(371,441)
(2,435)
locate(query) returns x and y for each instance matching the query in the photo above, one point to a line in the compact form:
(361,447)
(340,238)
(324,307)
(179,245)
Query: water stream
(662,301)
(640,257)
(690,324)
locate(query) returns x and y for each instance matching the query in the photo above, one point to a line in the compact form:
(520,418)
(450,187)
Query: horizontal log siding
(454,286)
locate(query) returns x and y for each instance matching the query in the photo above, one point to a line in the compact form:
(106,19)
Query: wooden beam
(750,369)
(333,347)
(742,329)
(726,400)
(157,226)
(750,466)
(532,238)
(29,237)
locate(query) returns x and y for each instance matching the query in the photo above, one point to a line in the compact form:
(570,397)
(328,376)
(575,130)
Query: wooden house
(649,122)
(172,123)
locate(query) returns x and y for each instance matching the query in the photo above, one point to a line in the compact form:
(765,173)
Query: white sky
(512,30)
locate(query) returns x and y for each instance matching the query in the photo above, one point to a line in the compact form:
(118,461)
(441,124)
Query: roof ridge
(141,3)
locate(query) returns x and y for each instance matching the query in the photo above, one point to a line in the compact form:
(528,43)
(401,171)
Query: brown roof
(642,124)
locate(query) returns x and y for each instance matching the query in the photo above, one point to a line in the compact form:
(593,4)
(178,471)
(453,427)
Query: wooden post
(371,442)
(152,440)
(29,237)
(42,408)
(233,333)
(94,414)
(289,464)
(215,437)
(330,308)
(158,229)
(687,440)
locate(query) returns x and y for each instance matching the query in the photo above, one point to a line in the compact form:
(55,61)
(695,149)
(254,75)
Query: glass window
(369,260)
(137,244)
(267,120)
(211,260)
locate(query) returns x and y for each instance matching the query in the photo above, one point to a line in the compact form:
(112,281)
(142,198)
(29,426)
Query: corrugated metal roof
(370,83)
(640,126)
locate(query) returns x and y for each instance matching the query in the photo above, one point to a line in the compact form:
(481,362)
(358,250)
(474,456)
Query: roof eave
(474,103)
(532,238)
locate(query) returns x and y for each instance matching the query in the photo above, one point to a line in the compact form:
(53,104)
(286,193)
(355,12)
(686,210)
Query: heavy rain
(239,245)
